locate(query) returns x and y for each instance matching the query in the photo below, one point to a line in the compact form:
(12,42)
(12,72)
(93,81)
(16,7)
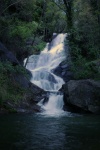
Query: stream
(37,132)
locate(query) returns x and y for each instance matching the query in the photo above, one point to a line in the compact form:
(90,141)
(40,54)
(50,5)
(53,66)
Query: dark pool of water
(35,132)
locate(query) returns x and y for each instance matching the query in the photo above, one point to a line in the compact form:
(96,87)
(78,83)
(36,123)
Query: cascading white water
(54,107)
(41,68)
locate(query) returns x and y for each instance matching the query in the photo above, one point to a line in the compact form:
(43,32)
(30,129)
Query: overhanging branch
(58,6)
(10,6)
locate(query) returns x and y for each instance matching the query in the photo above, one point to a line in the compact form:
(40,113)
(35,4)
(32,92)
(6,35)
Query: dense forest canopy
(24,20)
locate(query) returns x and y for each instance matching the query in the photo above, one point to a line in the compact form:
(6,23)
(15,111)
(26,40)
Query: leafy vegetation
(85,39)
(10,90)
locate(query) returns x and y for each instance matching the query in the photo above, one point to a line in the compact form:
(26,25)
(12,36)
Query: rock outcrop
(6,55)
(83,94)
(64,71)
(31,98)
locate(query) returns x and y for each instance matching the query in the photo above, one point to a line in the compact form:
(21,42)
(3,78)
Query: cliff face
(17,93)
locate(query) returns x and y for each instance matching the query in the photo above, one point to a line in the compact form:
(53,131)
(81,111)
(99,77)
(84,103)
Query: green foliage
(84,70)
(7,68)
(10,90)
(86,31)
(39,46)
(85,39)
(23,30)
(75,50)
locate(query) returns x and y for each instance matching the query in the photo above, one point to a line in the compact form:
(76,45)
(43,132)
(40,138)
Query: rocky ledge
(82,95)
(32,95)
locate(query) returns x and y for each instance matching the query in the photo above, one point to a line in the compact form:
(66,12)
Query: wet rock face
(84,94)
(36,93)
(63,70)
(51,78)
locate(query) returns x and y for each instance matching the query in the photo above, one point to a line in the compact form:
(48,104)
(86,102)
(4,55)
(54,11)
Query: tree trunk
(68,5)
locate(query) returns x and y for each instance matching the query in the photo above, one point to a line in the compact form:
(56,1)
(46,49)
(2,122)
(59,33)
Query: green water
(35,132)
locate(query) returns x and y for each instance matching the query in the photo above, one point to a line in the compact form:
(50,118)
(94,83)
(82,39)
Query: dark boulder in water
(84,94)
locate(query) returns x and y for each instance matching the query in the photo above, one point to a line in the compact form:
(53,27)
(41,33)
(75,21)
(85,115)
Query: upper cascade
(41,66)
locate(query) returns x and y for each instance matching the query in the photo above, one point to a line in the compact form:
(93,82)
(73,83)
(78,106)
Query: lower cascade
(54,107)
(41,67)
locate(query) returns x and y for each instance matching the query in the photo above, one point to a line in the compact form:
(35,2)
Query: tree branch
(58,6)
(10,6)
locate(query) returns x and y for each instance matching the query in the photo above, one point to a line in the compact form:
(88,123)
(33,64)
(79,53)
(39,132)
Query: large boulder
(63,71)
(35,94)
(6,55)
(84,94)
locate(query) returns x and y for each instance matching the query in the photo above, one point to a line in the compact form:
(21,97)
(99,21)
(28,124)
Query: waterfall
(41,67)
(54,107)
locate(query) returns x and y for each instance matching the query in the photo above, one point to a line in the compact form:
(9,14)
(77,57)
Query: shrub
(23,30)
(83,69)
(10,90)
